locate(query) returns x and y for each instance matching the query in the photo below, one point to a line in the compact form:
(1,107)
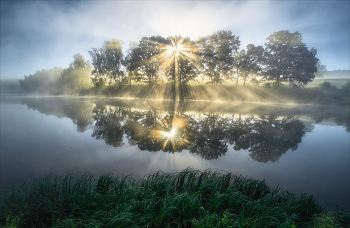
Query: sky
(38,35)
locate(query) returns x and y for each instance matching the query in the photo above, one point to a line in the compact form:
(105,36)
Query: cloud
(46,34)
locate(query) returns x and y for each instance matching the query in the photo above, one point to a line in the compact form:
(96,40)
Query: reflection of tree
(268,138)
(111,119)
(142,128)
(274,137)
(343,120)
(77,110)
(209,137)
(152,131)
(80,113)
(340,118)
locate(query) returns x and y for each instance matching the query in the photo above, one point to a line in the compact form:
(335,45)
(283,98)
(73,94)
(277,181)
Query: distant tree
(288,59)
(10,86)
(249,61)
(346,87)
(217,54)
(43,81)
(321,69)
(77,76)
(108,63)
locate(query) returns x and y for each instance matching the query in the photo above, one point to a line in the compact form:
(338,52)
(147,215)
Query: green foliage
(179,60)
(44,81)
(327,86)
(108,62)
(287,59)
(143,59)
(77,76)
(248,62)
(325,221)
(217,53)
(188,198)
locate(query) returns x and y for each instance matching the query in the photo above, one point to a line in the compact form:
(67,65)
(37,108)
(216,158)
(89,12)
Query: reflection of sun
(170,134)
(176,138)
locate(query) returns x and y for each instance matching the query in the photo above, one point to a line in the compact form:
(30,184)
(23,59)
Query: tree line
(180,60)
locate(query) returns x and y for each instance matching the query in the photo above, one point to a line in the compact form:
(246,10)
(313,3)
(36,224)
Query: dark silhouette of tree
(107,62)
(77,76)
(287,59)
(218,54)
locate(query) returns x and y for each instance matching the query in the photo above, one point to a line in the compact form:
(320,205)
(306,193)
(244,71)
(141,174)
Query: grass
(335,82)
(189,198)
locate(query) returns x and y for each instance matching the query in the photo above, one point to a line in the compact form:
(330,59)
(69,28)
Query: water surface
(300,148)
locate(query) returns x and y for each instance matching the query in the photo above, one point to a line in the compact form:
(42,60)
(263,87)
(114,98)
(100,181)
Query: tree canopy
(287,59)
(218,53)
(180,60)
(77,76)
(43,81)
(108,62)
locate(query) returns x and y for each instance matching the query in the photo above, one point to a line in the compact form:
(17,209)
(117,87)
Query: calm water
(299,148)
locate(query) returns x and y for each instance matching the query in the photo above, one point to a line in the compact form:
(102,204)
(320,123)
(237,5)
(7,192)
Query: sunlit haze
(39,35)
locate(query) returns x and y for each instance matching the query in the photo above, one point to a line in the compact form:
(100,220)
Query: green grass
(189,198)
(335,82)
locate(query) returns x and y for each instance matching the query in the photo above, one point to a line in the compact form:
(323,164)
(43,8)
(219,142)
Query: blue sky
(39,35)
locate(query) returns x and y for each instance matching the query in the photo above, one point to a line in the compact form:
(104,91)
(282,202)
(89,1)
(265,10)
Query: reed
(189,198)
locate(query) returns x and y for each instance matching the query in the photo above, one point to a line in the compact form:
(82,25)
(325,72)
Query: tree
(77,76)
(321,69)
(44,81)
(108,63)
(218,52)
(181,63)
(248,62)
(288,59)
(142,60)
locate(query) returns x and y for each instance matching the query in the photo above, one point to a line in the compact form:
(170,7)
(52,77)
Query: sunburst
(174,50)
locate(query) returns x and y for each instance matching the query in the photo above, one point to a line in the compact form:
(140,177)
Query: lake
(300,148)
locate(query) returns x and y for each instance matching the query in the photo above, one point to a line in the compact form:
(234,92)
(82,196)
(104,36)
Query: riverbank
(249,93)
(189,198)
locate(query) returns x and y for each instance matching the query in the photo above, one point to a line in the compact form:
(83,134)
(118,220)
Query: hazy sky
(39,35)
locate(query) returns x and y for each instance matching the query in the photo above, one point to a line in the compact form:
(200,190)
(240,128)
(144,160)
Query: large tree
(77,76)
(248,62)
(288,59)
(218,54)
(143,60)
(108,63)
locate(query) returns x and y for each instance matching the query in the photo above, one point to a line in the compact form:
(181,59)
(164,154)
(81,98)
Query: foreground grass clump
(189,198)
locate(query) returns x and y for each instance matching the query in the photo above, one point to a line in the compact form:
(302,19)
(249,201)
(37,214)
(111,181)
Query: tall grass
(189,198)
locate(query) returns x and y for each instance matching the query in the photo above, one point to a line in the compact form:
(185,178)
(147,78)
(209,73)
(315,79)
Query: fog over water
(300,148)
